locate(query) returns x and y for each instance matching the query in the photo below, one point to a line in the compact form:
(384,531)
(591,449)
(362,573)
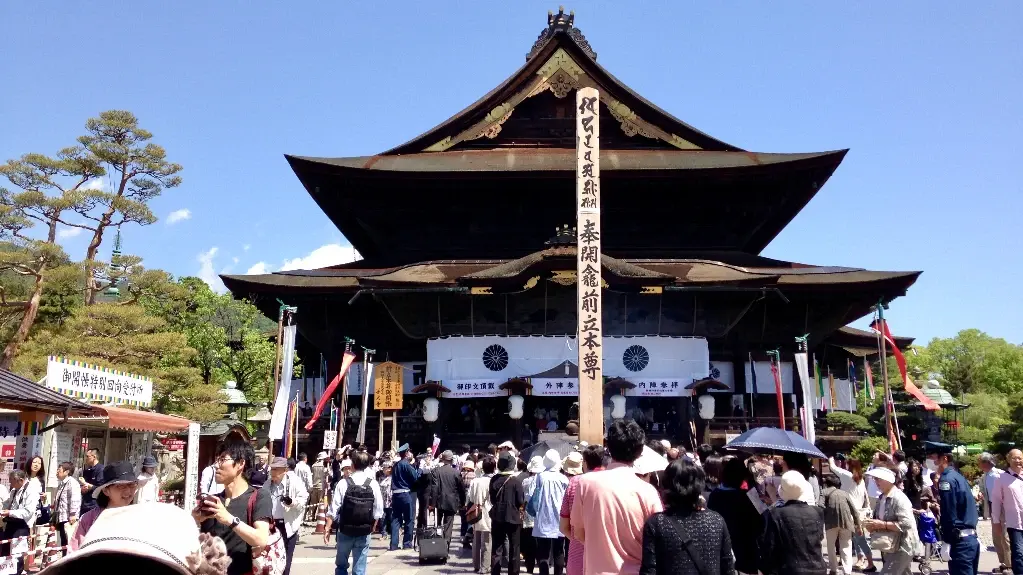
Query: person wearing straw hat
(152,538)
(527,542)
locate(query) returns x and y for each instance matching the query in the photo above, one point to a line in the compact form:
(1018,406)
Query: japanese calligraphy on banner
(660,387)
(588,261)
(82,380)
(563,386)
(474,388)
(389,386)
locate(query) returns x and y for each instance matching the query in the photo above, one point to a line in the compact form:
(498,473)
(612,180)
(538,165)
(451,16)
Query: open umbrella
(562,447)
(772,439)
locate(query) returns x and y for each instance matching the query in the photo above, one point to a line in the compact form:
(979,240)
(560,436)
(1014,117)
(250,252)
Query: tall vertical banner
(279,417)
(192,466)
(588,266)
(809,400)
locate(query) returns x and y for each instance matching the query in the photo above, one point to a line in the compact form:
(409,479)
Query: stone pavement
(313,558)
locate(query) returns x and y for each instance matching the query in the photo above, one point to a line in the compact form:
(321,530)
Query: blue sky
(928,96)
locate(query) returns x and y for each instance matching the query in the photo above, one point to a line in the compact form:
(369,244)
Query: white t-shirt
(989,480)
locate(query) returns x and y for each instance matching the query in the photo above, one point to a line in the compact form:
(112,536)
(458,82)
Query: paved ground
(313,558)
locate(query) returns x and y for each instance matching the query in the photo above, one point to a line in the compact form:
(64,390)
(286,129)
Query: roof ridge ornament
(561,23)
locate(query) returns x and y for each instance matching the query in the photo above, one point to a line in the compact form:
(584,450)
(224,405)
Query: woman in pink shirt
(592,460)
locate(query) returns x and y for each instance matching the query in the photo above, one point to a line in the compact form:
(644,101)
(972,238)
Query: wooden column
(589,332)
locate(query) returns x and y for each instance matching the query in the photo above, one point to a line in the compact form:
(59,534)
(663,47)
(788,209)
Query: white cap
(535,464)
(882,473)
(346,463)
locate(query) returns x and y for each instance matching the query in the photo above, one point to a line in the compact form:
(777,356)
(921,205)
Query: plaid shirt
(385,490)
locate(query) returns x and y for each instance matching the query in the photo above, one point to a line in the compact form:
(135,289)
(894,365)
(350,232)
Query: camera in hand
(286,500)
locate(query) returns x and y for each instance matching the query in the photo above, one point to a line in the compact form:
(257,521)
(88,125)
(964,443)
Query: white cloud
(206,270)
(235,261)
(65,233)
(259,268)
(323,256)
(246,247)
(179,215)
(94,184)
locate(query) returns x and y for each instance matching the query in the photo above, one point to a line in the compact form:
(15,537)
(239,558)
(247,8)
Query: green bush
(845,420)
(867,447)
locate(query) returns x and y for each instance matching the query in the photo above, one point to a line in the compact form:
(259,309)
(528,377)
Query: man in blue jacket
(958,513)
(403,479)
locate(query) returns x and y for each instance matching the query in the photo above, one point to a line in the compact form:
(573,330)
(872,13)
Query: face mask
(931,466)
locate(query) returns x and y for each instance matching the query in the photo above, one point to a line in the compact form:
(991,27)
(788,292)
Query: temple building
(468,271)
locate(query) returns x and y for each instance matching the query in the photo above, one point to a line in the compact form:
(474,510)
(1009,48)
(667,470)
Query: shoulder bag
(272,558)
(474,512)
(687,541)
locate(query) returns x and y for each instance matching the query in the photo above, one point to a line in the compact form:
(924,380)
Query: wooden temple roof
(492,180)
(561,260)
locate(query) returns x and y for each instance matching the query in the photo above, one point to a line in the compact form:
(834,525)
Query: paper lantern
(706,406)
(617,406)
(431,405)
(515,406)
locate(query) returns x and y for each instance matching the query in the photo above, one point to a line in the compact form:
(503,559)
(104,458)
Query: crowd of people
(629,506)
(633,506)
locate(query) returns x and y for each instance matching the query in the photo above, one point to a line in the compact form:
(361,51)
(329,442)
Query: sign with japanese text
(27,447)
(192,466)
(474,388)
(557,386)
(172,443)
(588,262)
(389,379)
(660,388)
(329,441)
(86,381)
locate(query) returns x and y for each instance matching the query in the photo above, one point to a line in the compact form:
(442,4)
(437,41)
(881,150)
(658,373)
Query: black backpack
(356,516)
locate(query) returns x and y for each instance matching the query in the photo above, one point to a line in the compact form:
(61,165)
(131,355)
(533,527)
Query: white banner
(86,381)
(723,371)
(765,379)
(192,467)
(500,358)
(802,367)
(284,394)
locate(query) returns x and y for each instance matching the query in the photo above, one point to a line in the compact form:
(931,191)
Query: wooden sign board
(388,392)
(588,271)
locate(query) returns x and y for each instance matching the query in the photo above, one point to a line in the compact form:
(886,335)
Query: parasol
(708,383)
(774,440)
(562,447)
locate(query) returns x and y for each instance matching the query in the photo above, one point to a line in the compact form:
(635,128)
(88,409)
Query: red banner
(346,362)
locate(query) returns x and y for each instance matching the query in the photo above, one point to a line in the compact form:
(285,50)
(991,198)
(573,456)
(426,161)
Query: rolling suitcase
(433,548)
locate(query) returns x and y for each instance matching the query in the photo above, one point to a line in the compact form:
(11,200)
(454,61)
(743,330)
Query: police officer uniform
(958,517)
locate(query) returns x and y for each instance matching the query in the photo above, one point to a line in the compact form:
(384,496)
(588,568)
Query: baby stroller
(930,536)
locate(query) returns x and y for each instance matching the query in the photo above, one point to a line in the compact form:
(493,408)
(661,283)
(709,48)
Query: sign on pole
(192,466)
(390,378)
(588,262)
(329,441)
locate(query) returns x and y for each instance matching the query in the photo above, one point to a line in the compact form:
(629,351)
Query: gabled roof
(560,61)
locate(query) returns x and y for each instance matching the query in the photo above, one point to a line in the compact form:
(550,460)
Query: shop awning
(22,394)
(134,420)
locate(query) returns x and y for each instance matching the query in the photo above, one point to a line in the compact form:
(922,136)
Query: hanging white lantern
(706,406)
(515,406)
(431,406)
(617,406)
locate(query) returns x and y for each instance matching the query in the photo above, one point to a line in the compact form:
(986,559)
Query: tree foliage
(864,450)
(972,361)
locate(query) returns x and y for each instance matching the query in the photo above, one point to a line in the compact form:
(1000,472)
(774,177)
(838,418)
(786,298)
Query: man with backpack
(355,508)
